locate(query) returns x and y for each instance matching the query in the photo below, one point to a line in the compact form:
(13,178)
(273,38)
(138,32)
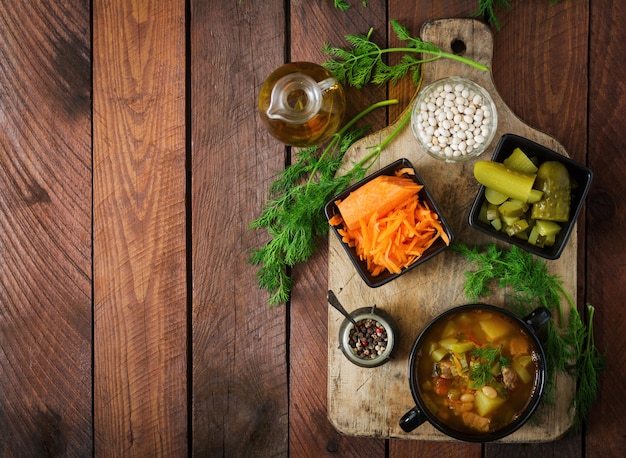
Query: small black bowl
(579,174)
(424,196)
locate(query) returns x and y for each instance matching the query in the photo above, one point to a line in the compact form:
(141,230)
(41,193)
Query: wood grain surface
(240,389)
(131,164)
(605,270)
(139,229)
(45,230)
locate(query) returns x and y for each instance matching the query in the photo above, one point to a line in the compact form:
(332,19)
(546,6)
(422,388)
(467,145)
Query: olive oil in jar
(301,104)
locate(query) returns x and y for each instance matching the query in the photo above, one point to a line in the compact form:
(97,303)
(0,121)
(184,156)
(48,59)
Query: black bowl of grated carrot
(388,223)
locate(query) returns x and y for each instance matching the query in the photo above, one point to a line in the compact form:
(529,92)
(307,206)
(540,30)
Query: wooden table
(131,164)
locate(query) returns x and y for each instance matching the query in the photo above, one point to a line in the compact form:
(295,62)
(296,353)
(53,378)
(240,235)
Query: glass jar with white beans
(454,119)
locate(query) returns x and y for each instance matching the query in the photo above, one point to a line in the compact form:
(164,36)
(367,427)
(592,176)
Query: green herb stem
(336,139)
(365,112)
(376,150)
(437,53)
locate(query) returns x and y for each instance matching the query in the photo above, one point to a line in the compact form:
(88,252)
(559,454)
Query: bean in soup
(477,371)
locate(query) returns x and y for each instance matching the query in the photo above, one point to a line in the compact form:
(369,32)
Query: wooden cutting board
(370,402)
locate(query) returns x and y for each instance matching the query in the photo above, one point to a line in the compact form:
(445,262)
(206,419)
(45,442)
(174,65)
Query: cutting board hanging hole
(458,46)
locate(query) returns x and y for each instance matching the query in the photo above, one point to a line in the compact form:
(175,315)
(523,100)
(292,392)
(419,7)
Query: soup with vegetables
(477,371)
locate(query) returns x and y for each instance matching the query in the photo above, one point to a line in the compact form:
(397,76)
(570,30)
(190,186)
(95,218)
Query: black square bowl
(579,175)
(424,196)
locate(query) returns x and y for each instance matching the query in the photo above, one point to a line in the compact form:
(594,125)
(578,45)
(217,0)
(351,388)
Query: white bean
(489,391)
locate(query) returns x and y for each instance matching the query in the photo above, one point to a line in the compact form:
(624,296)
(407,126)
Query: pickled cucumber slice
(516,228)
(497,224)
(513,207)
(495,197)
(519,161)
(535,196)
(553,179)
(492,212)
(547,228)
(482,214)
(500,178)
(510,220)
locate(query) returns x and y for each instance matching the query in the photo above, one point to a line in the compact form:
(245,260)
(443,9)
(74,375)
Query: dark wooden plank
(540,68)
(310,432)
(140,291)
(45,229)
(606,213)
(240,390)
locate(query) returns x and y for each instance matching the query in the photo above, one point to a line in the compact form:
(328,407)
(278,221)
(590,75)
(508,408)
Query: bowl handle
(538,318)
(412,419)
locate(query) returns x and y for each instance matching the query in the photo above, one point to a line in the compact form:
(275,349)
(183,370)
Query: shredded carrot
(381,195)
(396,239)
(405,171)
(335,220)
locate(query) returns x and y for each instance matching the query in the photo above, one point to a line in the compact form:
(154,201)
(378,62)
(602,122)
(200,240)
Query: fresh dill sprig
(589,361)
(344,6)
(488,10)
(481,373)
(571,349)
(293,215)
(363,63)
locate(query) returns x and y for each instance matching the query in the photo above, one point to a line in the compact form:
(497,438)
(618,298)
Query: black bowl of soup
(477,372)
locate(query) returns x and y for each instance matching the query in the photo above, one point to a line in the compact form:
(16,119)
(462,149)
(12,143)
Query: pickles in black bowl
(549,191)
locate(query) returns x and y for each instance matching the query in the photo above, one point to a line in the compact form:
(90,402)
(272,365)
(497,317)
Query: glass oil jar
(301,104)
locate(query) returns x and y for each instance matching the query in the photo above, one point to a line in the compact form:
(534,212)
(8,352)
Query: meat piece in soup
(477,371)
